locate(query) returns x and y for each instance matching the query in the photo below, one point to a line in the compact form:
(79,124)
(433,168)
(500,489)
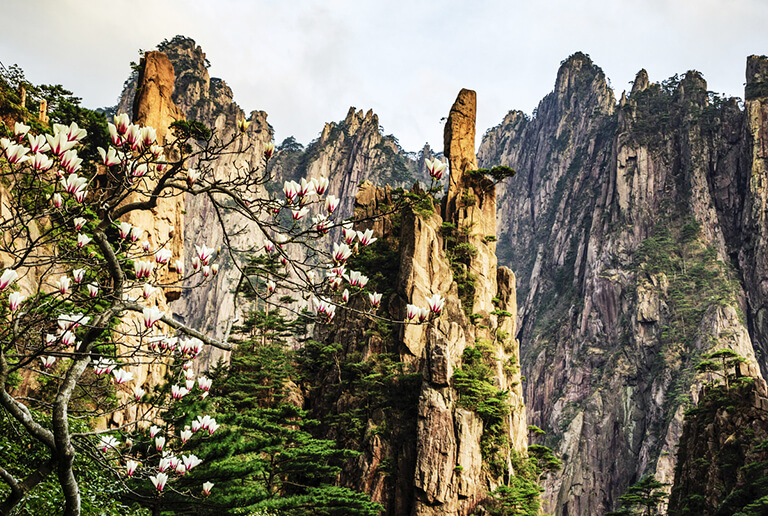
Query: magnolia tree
(78,295)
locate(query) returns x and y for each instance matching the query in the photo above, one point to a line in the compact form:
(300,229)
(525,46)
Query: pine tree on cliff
(264,457)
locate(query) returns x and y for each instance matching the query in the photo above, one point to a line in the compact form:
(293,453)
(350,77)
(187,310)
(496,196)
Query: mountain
(636,229)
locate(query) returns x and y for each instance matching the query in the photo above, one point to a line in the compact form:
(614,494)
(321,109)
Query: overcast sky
(305,62)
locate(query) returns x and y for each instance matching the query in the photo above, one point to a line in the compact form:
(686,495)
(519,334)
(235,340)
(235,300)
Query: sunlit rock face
(637,237)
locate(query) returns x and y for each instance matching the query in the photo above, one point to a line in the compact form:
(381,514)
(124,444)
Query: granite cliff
(636,234)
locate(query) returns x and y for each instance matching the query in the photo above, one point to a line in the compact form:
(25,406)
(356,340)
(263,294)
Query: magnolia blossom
(15,300)
(125,229)
(20,129)
(411,312)
(136,234)
(436,304)
(423,314)
(191,461)
(93,289)
(207,486)
(70,162)
(206,271)
(180,468)
(130,467)
(107,442)
(331,203)
(59,143)
(321,185)
(37,143)
(80,195)
(109,157)
(148,290)
(299,214)
(205,383)
(159,481)
(48,361)
(68,338)
(178,392)
(375,299)
(145,246)
(143,269)
(104,366)
(151,316)
(291,191)
(341,253)
(78,275)
(192,176)
(436,168)
(8,276)
(62,285)
(57,200)
(50,339)
(82,240)
(133,136)
(138,392)
(348,233)
(139,170)
(122,122)
(122,376)
(366,238)
(16,154)
(215,268)
(73,183)
(153,430)
(159,442)
(345,295)
(185,435)
(79,223)
(189,385)
(179,266)
(148,136)
(73,132)
(271,286)
(204,253)
(163,255)
(165,463)
(242,124)
(69,321)
(357,279)
(41,162)
(325,307)
(269,149)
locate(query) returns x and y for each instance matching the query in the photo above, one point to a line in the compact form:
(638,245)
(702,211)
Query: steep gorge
(634,232)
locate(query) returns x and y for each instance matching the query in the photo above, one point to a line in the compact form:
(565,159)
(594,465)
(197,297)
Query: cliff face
(723,457)
(623,226)
(427,446)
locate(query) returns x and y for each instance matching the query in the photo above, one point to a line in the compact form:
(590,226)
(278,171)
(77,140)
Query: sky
(305,62)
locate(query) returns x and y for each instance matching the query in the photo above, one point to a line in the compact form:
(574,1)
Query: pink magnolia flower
(107,442)
(8,277)
(122,122)
(82,240)
(124,229)
(79,223)
(436,168)
(331,203)
(423,314)
(147,291)
(375,299)
(122,376)
(321,185)
(153,430)
(366,238)
(151,316)
(207,486)
(130,467)
(291,191)
(436,304)
(269,150)
(205,383)
(138,393)
(136,234)
(48,361)
(116,139)
(341,253)
(133,136)
(143,269)
(73,183)
(80,195)
(62,285)
(15,300)
(163,255)
(192,176)
(185,435)
(271,286)
(178,392)
(16,154)
(70,162)
(93,289)
(345,295)
(41,162)
(148,136)
(56,200)
(59,144)
(38,144)
(299,214)
(204,253)
(159,442)
(20,129)
(109,157)
(159,481)
(68,338)
(78,275)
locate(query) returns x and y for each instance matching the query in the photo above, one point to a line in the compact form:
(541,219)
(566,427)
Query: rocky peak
(641,82)
(154,105)
(757,69)
(693,88)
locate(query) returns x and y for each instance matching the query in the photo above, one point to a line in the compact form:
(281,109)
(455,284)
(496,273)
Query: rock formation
(624,225)
(434,442)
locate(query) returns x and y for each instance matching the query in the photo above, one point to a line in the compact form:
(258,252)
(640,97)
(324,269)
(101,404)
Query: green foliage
(642,498)
(22,455)
(460,253)
(474,384)
(265,456)
(190,129)
(756,90)
(498,173)
(520,496)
